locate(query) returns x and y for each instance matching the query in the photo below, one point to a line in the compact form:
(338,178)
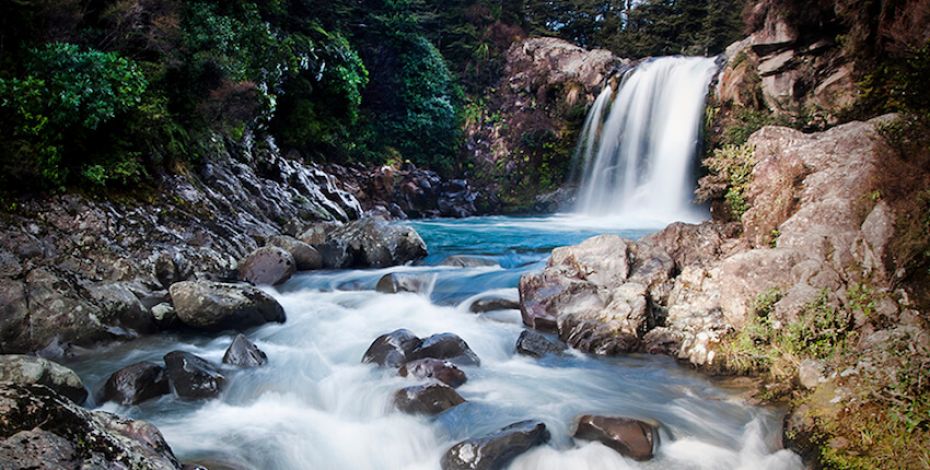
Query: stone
(193,377)
(469,261)
(393,283)
(631,438)
(27,370)
(392,349)
(36,449)
(120,306)
(244,353)
(496,450)
(136,383)
(164,315)
(216,306)
(268,265)
(317,233)
(438,369)
(371,242)
(305,256)
(811,373)
(490,304)
(448,346)
(430,399)
(532,343)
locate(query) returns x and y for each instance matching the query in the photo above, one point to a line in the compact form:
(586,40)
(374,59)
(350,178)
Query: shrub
(733,164)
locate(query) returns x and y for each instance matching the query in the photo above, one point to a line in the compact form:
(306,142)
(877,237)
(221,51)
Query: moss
(734,164)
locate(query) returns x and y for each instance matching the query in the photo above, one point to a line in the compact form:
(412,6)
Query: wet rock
(267,265)
(468,261)
(532,343)
(490,304)
(136,383)
(496,451)
(428,399)
(443,371)
(371,242)
(317,233)
(244,353)
(631,438)
(27,370)
(193,377)
(393,283)
(49,430)
(305,256)
(392,349)
(118,303)
(218,306)
(447,346)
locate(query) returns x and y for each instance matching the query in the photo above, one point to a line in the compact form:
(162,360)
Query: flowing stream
(639,142)
(315,406)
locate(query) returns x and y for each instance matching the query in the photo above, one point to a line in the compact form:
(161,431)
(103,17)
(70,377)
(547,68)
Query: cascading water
(639,143)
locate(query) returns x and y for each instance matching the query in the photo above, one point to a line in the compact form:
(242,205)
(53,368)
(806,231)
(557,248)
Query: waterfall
(638,144)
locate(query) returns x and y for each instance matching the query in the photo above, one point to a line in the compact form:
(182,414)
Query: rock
(136,383)
(317,233)
(490,304)
(631,438)
(305,256)
(496,451)
(27,370)
(443,371)
(193,377)
(532,343)
(121,307)
(467,261)
(43,428)
(267,265)
(393,283)
(216,306)
(164,315)
(244,353)
(447,346)
(430,399)
(392,349)
(371,242)
(811,373)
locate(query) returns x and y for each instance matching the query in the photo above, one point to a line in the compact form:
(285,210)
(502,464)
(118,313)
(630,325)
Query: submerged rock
(392,349)
(136,383)
(267,265)
(532,343)
(495,451)
(631,438)
(393,283)
(244,353)
(193,377)
(27,370)
(428,399)
(371,242)
(447,346)
(305,256)
(443,371)
(490,304)
(219,306)
(47,430)
(468,261)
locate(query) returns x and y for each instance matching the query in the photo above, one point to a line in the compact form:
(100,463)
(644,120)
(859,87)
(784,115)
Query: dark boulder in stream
(430,399)
(269,265)
(630,437)
(438,369)
(393,283)
(217,306)
(533,343)
(193,377)
(392,349)
(136,383)
(495,451)
(447,346)
(244,353)
(490,304)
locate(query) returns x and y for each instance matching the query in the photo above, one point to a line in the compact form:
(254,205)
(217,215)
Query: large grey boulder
(217,306)
(28,370)
(305,256)
(371,242)
(39,428)
(267,265)
(496,450)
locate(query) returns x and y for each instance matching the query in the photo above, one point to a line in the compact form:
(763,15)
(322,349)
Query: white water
(639,143)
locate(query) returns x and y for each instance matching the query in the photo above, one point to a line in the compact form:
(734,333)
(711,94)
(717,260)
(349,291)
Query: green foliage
(819,332)
(733,164)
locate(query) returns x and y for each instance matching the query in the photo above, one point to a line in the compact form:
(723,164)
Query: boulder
(267,265)
(193,377)
(371,242)
(393,283)
(136,383)
(392,349)
(496,451)
(216,306)
(469,261)
(43,429)
(490,304)
(305,256)
(27,370)
(532,343)
(447,346)
(244,353)
(631,438)
(317,233)
(430,399)
(443,371)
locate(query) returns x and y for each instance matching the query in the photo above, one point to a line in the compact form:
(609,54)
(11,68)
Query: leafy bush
(733,164)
